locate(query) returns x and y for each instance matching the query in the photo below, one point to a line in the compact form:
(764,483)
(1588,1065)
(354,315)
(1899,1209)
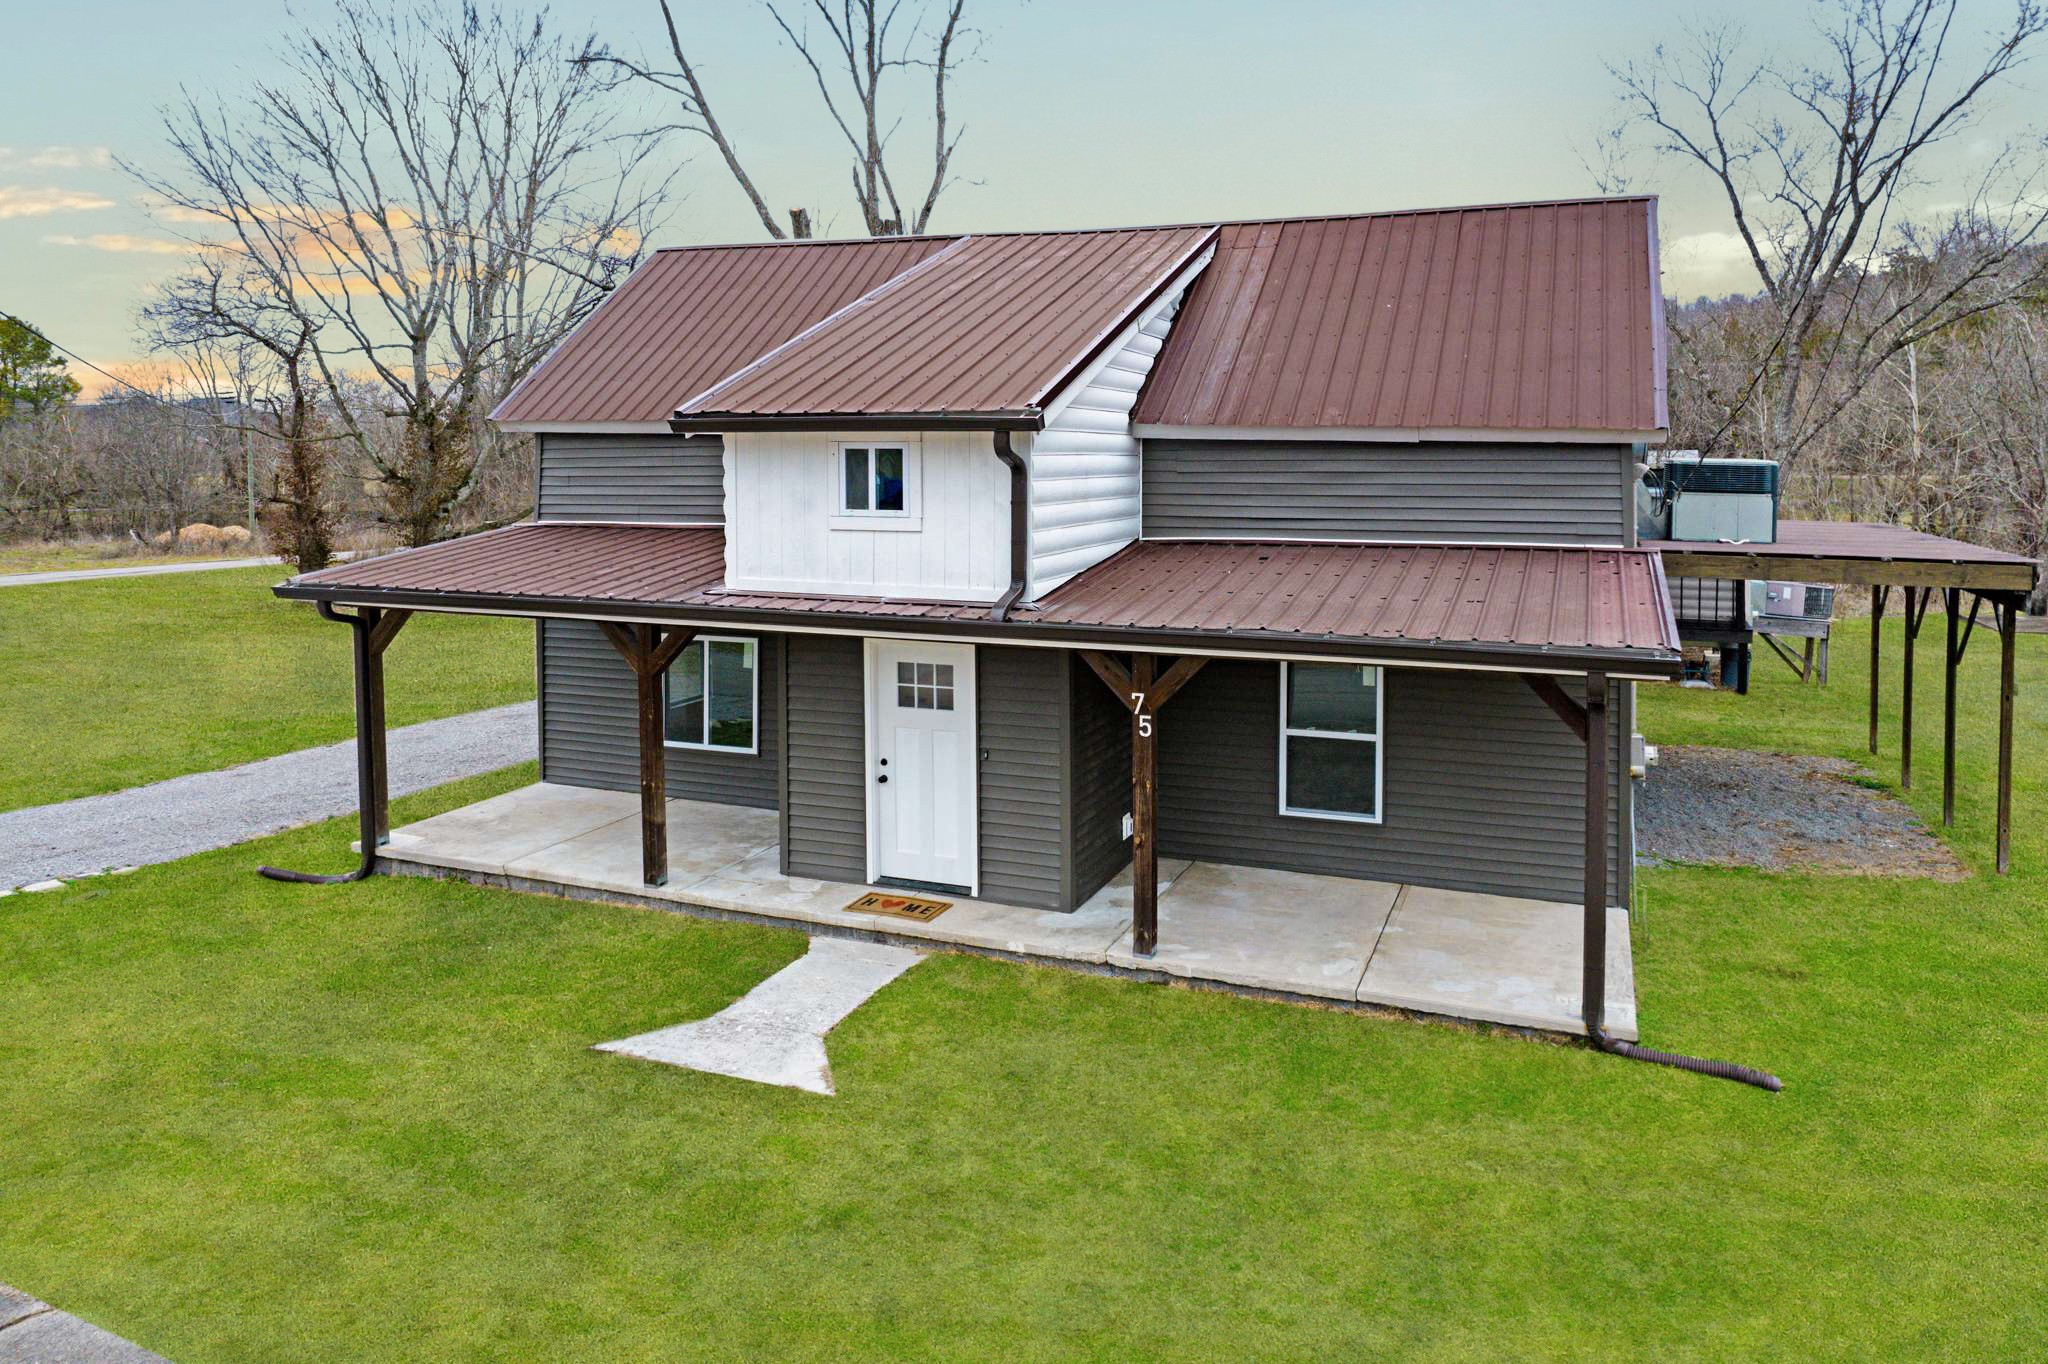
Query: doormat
(900,906)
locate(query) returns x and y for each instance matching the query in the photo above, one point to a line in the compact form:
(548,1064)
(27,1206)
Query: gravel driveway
(185,815)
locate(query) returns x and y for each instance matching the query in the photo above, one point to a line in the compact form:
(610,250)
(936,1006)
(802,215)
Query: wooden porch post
(1144,695)
(383,628)
(648,652)
(1878,597)
(1952,598)
(2008,635)
(1593,977)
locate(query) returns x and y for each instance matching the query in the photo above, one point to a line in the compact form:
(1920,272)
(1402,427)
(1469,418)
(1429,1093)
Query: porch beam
(381,628)
(1593,974)
(1559,700)
(1113,675)
(648,651)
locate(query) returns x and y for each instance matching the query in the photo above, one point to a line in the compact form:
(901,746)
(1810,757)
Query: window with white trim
(876,480)
(1330,741)
(711,695)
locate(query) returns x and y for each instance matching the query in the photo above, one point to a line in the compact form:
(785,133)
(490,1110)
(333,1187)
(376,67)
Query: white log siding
(781,498)
(1085,463)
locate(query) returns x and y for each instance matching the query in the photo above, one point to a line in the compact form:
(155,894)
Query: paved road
(73,575)
(185,815)
(33,1332)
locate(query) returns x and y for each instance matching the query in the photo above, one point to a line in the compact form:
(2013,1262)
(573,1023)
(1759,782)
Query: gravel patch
(171,819)
(1731,807)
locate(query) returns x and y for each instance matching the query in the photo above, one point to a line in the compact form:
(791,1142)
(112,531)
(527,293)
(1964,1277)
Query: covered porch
(1326,939)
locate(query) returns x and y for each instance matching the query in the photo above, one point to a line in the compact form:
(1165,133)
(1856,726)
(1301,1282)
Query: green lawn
(115,682)
(42,557)
(248,1121)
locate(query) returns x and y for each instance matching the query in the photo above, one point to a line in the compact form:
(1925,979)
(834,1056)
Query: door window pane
(1332,776)
(732,693)
(856,460)
(1336,697)
(888,479)
(684,721)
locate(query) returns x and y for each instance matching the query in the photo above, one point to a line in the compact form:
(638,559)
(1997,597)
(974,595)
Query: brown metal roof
(1562,599)
(1850,540)
(689,317)
(1530,317)
(1499,606)
(991,326)
(624,564)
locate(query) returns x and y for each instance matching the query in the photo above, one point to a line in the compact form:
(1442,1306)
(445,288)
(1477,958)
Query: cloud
(22,201)
(1707,265)
(126,242)
(57,158)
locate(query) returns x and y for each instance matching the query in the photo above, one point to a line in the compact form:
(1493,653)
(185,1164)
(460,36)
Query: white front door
(921,755)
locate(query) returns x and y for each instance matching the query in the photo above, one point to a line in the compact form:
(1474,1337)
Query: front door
(922,760)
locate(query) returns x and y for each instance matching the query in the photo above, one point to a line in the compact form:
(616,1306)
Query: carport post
(2008,639)
(1952,598)
(1593,977)
(1878,597)
(1916,607)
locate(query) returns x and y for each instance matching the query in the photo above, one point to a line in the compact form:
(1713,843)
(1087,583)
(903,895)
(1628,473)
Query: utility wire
(66,351)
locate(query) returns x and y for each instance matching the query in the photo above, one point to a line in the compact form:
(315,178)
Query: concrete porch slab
(491,834)
(1497,960)
(1270,930)
(1479,957)
(702,839)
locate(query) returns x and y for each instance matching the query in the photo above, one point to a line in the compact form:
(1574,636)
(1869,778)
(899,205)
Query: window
(875,480)
(924,686)
(711,694)
(1330,741)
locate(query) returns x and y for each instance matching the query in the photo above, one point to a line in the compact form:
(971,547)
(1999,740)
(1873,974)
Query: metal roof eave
(1638,664)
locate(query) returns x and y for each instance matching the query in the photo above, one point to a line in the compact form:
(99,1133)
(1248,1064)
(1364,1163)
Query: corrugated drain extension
(1724,1070)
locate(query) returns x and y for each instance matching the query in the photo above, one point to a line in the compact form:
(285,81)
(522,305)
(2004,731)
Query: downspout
(1020,525)
(365,760)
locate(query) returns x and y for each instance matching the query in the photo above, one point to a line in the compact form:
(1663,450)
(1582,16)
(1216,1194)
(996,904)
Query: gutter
(366,789)
(1020,526)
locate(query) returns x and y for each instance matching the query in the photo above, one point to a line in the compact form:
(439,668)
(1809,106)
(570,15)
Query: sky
(1078,113)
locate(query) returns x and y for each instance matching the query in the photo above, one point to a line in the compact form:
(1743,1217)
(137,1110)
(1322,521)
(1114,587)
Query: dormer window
(878,484)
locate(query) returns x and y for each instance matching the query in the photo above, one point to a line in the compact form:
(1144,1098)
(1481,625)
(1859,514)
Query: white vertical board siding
(781,495)
(1085,469)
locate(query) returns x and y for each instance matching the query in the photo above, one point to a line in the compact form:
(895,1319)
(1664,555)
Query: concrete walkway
(185,815)
(33,1332)
(775,1034)
(73,575)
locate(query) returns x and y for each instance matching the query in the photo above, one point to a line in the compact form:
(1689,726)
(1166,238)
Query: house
(995,567)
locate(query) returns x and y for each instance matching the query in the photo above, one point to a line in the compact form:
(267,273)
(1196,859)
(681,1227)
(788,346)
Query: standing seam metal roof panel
(689,317)
(1532,317)
(991,324)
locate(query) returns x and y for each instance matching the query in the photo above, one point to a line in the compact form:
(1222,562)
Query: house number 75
(1144,720)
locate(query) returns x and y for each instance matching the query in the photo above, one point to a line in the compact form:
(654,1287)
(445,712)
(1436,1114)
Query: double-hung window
(877,480)
(712,695)
(1330,741)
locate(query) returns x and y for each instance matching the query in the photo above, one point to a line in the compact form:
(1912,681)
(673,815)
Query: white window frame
(703,642)
(1376,739)
(912,515)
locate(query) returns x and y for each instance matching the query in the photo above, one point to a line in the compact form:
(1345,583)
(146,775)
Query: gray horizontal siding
(590,735)
(1022,716)
(1509,493)
(631,478)
(1483,786)
(1101,766)
(824,805)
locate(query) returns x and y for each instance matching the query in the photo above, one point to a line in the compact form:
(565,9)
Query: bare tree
(451,198)
(850,58)
(1817,165)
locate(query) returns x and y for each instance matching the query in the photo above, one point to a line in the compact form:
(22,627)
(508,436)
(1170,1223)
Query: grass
(56,556)
(247,1121)
(116,682)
